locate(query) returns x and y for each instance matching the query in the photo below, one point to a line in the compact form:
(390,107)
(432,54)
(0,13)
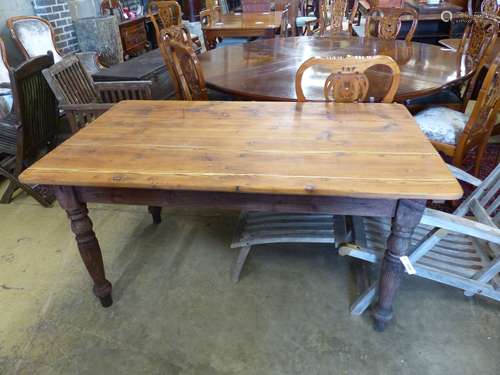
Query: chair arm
(113,92)
(79,115)
(461,225)
(464,176)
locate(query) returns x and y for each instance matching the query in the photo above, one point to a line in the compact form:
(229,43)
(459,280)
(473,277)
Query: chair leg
(155,212)
(240,262)
(14,184)
(364,300)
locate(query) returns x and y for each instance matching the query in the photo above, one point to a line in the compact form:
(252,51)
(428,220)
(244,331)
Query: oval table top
(265,69)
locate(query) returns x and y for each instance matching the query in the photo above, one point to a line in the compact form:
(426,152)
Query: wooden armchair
(30,130)
(82,99)
(446,248)
(34,36)
(454,133)
(346,83)
(385,23)
(349,80)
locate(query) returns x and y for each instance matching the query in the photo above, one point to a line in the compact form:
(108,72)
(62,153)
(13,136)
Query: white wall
(10,8)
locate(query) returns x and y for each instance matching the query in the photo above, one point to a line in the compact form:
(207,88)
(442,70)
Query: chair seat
(442,124)
(301,21)
(263,228)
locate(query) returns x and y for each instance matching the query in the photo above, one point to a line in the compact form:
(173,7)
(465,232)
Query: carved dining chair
(29,131)
(454,133)
(486,7)
(168,13)
(347,82)
(6,98)
(332,18)
(81,98)
(385,23)
(446,248)
(186,69)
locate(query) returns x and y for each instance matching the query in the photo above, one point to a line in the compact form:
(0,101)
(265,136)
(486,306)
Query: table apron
(239,201)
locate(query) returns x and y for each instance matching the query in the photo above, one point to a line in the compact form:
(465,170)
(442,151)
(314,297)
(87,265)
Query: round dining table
(265,69)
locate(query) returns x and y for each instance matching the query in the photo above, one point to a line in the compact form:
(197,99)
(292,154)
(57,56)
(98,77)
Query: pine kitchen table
(346,159)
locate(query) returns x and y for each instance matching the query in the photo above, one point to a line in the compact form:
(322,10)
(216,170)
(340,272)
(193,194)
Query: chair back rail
(348,81)
(70,82)
(385,23)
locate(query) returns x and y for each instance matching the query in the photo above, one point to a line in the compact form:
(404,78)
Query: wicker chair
(27,133)
(82,99)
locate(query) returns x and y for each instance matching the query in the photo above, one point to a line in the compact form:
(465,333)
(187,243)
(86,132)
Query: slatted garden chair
(346,83)
(81,98)
(447,248)
(34,36)
(385,23)
(29,131)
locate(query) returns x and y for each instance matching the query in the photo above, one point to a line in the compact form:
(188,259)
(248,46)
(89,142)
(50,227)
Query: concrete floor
(177,312)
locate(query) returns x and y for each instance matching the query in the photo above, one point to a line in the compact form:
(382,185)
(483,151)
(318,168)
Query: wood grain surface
(351,150)
(265,69)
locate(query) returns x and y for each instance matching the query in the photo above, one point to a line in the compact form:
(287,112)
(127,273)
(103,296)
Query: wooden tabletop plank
(357,150)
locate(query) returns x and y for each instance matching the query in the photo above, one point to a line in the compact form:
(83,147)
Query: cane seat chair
(81,98)
(455,133)
(29,131)
(257,228)
(385,23)
(447,248)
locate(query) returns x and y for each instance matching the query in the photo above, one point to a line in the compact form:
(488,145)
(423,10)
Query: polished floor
(177,312)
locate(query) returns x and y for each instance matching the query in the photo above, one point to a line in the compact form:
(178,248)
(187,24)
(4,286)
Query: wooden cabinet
(134,36)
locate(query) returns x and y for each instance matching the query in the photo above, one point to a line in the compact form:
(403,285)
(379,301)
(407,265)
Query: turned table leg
(407,217)
(81,225)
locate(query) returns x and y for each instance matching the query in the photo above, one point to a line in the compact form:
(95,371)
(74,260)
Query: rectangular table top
(246,21)
(351,150)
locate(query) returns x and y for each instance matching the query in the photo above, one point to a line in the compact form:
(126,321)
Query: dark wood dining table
(346,159)
(265,69)
(247,24)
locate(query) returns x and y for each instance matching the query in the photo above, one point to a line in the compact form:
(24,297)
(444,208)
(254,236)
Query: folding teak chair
(447,248)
